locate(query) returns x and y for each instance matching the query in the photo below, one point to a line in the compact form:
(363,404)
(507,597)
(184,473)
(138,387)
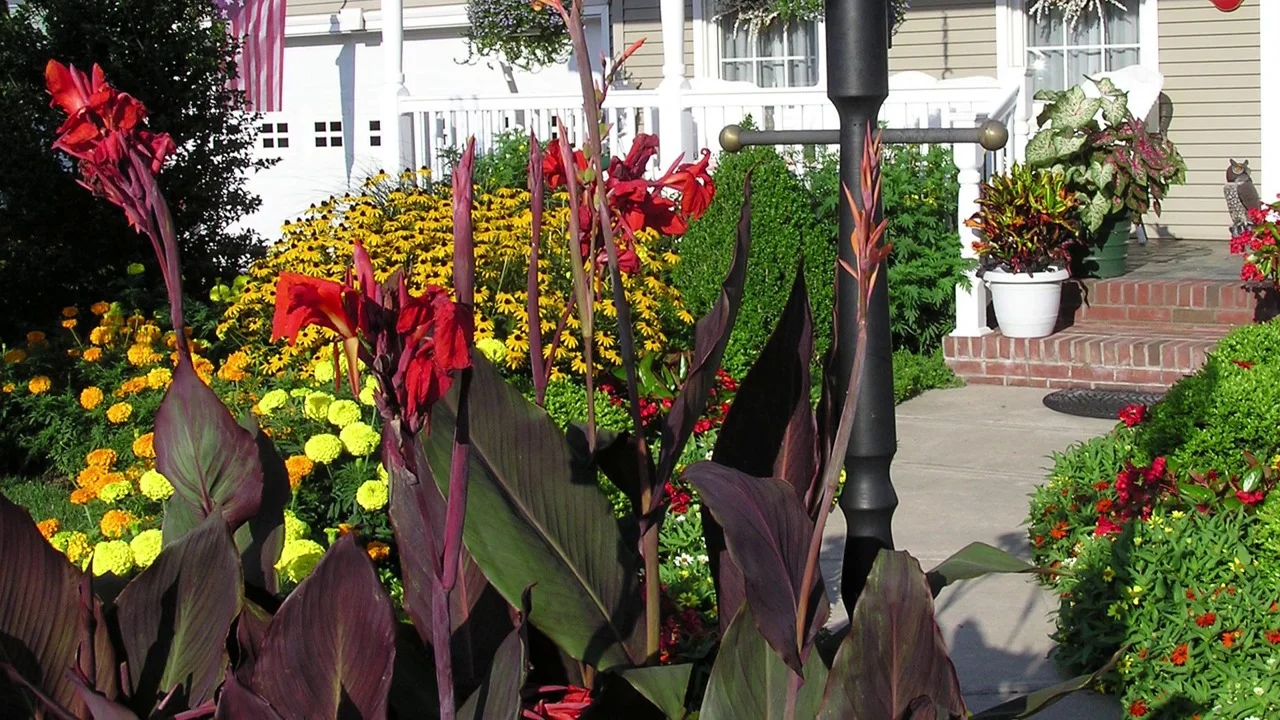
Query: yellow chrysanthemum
(15,356)
(39,384)
(159,378)
(298,559)
(113,556)
(102,458)
(323,448)
(92,354)
(116,491)
(155,486)
(91,397)
(299,467)
(144,448)
(99,308)
(372,495)
(146,547)
(48,528)
(378,550)
(343,412)
(35,337)
(119,413)
(114,523)
(316,406)
(273,400)
(360,439)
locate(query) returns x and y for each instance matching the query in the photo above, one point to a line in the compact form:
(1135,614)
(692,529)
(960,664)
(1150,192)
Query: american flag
(259,26)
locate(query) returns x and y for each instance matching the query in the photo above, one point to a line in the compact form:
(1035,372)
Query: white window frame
(1011,37)
(707,40)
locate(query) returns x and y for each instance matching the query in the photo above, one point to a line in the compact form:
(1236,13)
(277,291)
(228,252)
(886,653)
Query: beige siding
(1212,75)
(642,19)
(947,39)
(329,7)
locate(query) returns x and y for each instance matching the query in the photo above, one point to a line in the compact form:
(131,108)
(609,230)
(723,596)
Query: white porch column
(393,135)
(673,125)
(1269,25)
(971,304)
(1023,118)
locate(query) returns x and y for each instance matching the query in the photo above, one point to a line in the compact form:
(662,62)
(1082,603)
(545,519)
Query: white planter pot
(1026,303)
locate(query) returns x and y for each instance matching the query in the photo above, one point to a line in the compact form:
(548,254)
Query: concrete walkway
(967,460)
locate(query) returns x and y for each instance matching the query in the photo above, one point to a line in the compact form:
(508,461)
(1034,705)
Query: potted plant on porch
(1118,169)
(1029,222)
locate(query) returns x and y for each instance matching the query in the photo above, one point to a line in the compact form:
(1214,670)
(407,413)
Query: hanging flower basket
(517,32)
(1072,10)
(757,14)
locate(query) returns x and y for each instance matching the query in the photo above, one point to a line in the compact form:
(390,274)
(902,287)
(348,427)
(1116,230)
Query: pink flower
(1106,526)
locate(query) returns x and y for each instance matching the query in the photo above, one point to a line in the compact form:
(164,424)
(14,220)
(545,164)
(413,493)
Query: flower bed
(1167,531)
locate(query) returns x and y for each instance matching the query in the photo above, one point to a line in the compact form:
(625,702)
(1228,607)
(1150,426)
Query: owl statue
(1241,196)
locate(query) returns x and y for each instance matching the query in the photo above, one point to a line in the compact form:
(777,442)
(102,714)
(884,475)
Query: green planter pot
(1108,249)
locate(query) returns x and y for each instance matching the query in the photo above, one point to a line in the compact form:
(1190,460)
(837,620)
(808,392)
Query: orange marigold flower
(145,446)
(1060,530)
(69,323)
(39,384)
(73,352)
(48,528)
(119,413)
(99,308)
(1273,636)
(378,550)
(90,476)
(92,354)
(115,522)
(9,388)
(1230,637)
(1206,619)
(345,529)
(1179,655)
(91,397)
(299,466)
(1138,708)
(35,337)
(82,496)
(69,312)
(102,458)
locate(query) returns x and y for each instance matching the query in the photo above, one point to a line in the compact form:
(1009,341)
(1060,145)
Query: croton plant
(526,598)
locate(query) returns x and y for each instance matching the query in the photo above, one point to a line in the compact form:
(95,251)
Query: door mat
(1104,404)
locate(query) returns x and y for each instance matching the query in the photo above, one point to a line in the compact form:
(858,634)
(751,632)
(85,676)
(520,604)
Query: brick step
(1204,302)
(1105,356)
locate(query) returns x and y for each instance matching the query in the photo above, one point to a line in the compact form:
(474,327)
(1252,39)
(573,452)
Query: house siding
(1212,70)
(643,19)
(946,39)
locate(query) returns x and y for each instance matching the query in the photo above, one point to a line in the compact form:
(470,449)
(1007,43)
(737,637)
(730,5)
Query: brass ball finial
(731,138)
(994,135)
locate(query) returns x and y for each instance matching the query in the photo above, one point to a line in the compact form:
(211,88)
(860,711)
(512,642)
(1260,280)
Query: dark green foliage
(567,403)
(784,229)
(58,246)
(913,374)
(506,166)
(1208,420)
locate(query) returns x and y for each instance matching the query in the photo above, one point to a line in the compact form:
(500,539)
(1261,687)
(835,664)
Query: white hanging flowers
(1072,10)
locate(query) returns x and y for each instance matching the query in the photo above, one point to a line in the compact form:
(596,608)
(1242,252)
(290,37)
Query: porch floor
(1167,259)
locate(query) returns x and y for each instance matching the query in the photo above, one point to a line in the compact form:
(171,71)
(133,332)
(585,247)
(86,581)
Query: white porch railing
(440,126)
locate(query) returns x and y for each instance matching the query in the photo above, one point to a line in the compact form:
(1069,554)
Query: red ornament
(1227,5)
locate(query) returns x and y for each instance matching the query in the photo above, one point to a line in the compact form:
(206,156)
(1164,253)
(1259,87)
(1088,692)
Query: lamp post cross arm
(991,135)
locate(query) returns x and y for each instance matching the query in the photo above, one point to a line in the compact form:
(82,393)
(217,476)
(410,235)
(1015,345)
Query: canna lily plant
(527,599)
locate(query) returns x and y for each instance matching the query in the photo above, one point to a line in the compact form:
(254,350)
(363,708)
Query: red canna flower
(437,343)
(697,189)
(1179,655)
(302,301)
(570,706)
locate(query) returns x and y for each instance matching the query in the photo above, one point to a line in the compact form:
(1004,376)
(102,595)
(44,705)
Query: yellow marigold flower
(15,356)
(273,400)
(359,439)
(48,528)
(316,406)
(298,559)
(9,388)
(145,446)
(99,308)
(146,547)
(69,323)
(493,349)
(39,384)
(155,486)
(148,334)
(383,475)
(159,378)
(299,467)
(113,556)
(343,412)
(75,545)
(368,396)
(140,355)
(92,354)
(101,335)
(35,337)
(115,522)
(231,374)
(116,491)
(378,550)
(294,529)
(102,458)
(119,413)
(91,397)
(323,372)
(323,448)
(372,495)
(69,312)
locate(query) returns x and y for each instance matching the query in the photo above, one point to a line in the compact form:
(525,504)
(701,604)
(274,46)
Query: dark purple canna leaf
(537,193)
(237,702)
(96,655)
(499,697)
(251,628)
(666,686)
(711,335)
(176,615)
(538,517)
(98,705)
(262,538)
(975,560)
(767,532)
(211,460)
(39,614)
(770,430)
(619,455)
(894,653)
(1032,703)
(464,249)
(330,649)
(749,680)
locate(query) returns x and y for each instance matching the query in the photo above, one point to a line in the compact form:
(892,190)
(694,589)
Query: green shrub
(506,166)
(783,229)
(913,374)
(566,402)
(921,191)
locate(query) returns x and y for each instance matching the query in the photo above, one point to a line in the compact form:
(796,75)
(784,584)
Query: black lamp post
(858,33)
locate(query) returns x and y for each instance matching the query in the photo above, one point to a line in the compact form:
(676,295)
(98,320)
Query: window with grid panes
(777,55)
(1063,56)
